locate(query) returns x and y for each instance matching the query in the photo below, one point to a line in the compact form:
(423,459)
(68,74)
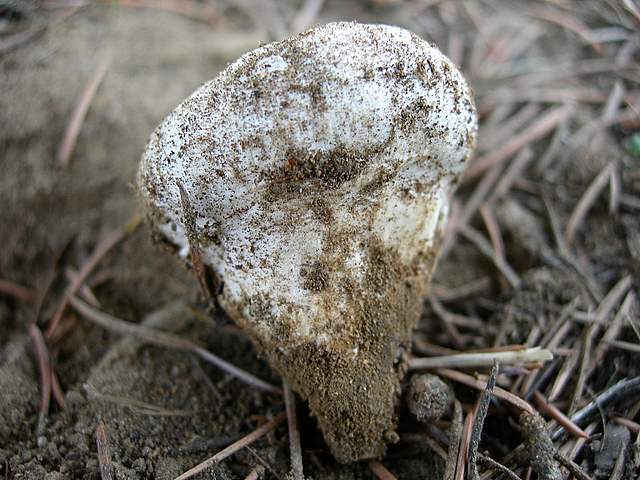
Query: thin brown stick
(448,325)
(101,249)
(501,264)
(573,467)
(44,367)
(630,424)
(234,447)
(555,413)
(16,291)
(380,471)
(480,385)
(435,446)
(163,339)
(455,434)
(200,12)
(107,471)
(586,202)
(464,447)
(530,134)
(294,434)
(56,389)
(493,229)
(451,294)
(493,464)
(79,113)
(568,22)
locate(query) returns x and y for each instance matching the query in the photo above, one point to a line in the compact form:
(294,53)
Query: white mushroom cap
(319,171)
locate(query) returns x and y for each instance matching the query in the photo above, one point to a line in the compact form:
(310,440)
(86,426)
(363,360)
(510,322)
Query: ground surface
(557,88)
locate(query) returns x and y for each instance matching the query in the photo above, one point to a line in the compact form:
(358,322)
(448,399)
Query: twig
(573,467)
(451,294)
(630,424)
(156,337)
(586,202)
(479,385)
(558,416)
(137,406)
(491,463)
(380,471)
(234,447)
(479,360)
(435,446)
(200,12)
(585,356)
(101,249)
(501,264)
(478,422)
(449,326)
(44,367)
(530,134)
(104,455)
(294,434)
(618,392)
(455,434)
(464,447)
(19,292)
(80,109)
(56,390)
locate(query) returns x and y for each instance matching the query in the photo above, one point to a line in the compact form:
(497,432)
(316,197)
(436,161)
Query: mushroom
(313,178)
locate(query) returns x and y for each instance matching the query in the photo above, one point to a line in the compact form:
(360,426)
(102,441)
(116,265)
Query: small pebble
(428,397)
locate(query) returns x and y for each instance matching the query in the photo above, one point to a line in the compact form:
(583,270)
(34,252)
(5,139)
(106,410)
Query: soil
(164,411)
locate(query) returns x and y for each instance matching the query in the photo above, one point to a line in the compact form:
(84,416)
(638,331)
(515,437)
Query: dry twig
(234,447)
(80,109)
(163,339)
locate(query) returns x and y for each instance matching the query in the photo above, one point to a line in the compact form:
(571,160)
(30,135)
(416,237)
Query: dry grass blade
(80,110)
(501,264)
(234,447)
(478,422)
(156,337)
(531,134)
(14,290)
(100,250)
(482,359)
(586,202)
(44,367)
(295,451)
(380,471)
(558,416)
(107,471)
(500,393)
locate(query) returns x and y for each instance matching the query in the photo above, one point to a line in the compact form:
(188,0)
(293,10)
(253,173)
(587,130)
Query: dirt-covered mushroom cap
(318,172)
